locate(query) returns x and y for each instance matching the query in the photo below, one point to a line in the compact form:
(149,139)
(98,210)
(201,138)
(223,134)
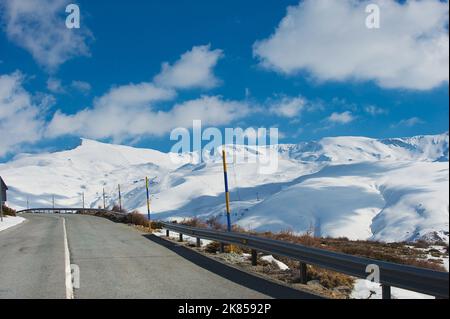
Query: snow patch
(364,289)
(280,265)
(10,221)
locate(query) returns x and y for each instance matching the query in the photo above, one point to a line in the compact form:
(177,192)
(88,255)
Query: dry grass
(117,209)
(138,219)
(400,253)
(156,225)
(194,222)
(122,216)
(330,279)
(212,248)
(214,223)
(112,216)
(327,278)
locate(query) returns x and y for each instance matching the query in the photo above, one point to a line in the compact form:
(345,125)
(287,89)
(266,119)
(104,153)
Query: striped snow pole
(227,193)
(148,197)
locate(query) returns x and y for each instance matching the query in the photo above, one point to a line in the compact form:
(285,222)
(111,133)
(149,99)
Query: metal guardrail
(47,210)
(430,282)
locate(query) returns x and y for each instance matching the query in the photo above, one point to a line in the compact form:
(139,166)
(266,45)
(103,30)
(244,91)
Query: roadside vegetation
(118,215)
(7,211)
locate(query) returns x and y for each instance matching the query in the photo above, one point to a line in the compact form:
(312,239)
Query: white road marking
(69,285)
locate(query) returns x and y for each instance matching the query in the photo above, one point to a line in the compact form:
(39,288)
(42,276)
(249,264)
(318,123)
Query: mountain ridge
(392,189)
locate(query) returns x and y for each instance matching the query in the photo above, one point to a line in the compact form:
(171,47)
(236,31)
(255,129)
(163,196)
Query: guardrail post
(199,242)
(181,238)
(386,291)
(167,233)
(254,257)
(303,273)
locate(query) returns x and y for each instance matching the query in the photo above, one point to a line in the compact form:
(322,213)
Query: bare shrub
(214,223)
(156,225)
(136,218)
(7,211)
(212,247)
(194,222)
(117,209)
(329,279)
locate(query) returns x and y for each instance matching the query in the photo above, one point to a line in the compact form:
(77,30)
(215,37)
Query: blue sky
(319,73)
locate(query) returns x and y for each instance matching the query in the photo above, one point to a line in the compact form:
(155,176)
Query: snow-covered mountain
(356,187)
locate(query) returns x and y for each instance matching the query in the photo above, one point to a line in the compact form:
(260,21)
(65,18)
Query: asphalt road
(32,259)
(116,261)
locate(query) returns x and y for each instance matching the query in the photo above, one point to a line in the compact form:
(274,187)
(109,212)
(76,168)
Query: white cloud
(38,26)
(288,107)
(413,121)
(329,39)
(55,85)
(375,110)
(20,117)
(83,87)
(128,112)
(341,118)
(138,95)
(193,70)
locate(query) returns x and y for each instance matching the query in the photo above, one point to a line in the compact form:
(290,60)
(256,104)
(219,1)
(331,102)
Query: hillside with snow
(355,187)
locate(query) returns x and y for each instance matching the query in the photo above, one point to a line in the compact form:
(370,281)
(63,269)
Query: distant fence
(430,282)
(109,214)
(61,210)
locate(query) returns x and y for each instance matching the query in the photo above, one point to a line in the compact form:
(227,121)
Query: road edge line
(68,271)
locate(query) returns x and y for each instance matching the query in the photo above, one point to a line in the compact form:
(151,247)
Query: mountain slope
(401,201)
(391,189)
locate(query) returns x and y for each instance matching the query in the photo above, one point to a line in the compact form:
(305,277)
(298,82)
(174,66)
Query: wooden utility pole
(104,199)
(1,203)
(82,198)
(3,196)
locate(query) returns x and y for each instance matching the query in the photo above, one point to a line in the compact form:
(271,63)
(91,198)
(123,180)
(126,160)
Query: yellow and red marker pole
(227,193)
